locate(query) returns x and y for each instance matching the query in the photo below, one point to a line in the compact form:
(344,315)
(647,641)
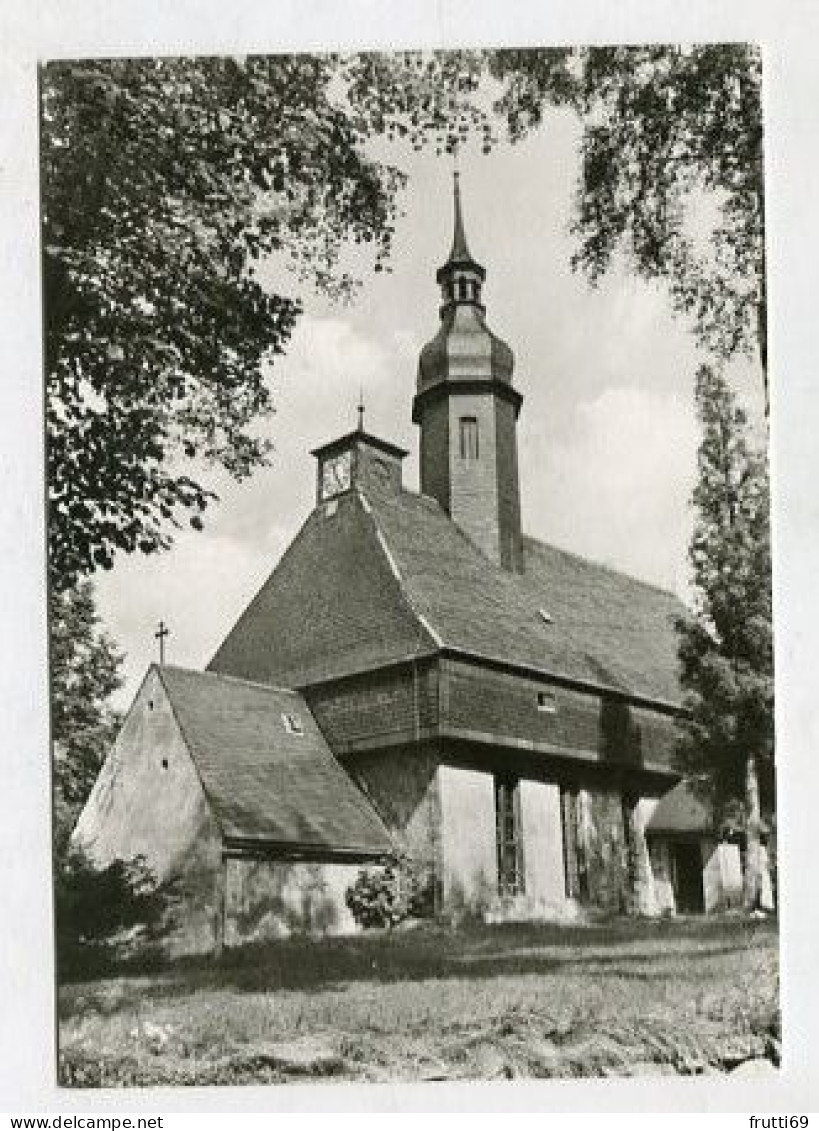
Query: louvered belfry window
(469,437)
(510,847)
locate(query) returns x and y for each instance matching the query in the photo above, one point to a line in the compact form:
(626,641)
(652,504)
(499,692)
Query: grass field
(684,996)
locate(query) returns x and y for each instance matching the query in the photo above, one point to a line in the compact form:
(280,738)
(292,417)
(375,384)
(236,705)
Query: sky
(607,435)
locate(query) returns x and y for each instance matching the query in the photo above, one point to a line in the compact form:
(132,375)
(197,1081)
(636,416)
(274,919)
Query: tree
(85,672)
(726,648)
(167,185)
(672,136)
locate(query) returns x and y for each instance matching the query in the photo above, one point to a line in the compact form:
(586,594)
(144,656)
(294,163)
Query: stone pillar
(468,840)
(645,902)
(543,866)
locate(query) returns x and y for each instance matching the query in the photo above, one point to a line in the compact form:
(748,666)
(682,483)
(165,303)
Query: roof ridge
(208,674)
(602,566)
(424,624)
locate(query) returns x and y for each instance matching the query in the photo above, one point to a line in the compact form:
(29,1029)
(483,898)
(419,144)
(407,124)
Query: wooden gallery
(418,678)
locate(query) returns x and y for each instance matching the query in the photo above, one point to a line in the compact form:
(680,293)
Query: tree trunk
(753,847)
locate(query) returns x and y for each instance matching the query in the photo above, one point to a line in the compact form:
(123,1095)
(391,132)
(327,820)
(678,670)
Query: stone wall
(148,801)
(721,875)
(598,849)
(645,897)
(511,543)
(435,452)
(402,784)
(543,863)
(664,902)
(469,872)
(271,899)
(474,482)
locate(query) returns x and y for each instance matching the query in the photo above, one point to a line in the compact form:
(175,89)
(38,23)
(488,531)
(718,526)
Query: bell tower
(467,410)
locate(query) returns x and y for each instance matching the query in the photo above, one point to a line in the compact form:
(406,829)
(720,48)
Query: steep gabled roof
(603,628)
(267,781)
(331,606)
(377,579)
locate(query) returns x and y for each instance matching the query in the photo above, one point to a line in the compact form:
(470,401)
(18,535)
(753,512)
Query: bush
(374,899)
(95,908)
(384,896)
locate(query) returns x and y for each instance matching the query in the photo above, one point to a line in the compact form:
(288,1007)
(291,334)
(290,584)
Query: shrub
(95,907)
(383,896)
(374,899)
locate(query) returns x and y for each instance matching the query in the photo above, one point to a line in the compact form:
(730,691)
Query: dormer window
(469,437)
(293,724)
(546,702)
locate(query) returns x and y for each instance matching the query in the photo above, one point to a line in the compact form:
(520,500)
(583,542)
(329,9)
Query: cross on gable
(161,634)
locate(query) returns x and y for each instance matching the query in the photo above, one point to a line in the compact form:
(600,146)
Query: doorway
(686,877)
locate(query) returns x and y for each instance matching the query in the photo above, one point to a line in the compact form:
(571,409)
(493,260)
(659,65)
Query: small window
(547,702)
(164,763)
(292,724)
(508,836)
(469,437)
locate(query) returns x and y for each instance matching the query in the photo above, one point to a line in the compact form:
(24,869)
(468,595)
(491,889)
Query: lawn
(625,998)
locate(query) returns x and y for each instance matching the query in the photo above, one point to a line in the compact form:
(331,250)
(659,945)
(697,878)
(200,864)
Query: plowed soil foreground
(625,998)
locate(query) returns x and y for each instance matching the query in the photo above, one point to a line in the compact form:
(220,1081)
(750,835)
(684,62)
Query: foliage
(94,906)
(177,191)
(667,132)
(383,896)
(85,672)
(375,899)
(171,189)
(726,648)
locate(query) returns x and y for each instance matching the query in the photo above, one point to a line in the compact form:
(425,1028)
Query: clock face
(336,475)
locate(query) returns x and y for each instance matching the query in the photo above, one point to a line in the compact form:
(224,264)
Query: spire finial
(460,251)
(360,409)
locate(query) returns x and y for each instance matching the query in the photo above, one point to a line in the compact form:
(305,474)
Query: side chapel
(419,677)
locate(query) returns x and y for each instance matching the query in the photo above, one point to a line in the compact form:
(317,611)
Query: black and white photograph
(409,565)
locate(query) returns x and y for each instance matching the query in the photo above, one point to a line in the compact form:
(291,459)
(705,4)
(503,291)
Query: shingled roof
(600,627)
(268,774)
(684,809)
(384,577)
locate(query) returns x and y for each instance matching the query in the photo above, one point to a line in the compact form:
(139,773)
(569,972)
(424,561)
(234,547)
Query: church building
(420,680)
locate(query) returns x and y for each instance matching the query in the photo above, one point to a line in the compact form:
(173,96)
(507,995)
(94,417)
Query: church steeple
(461,277)
(467,409)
